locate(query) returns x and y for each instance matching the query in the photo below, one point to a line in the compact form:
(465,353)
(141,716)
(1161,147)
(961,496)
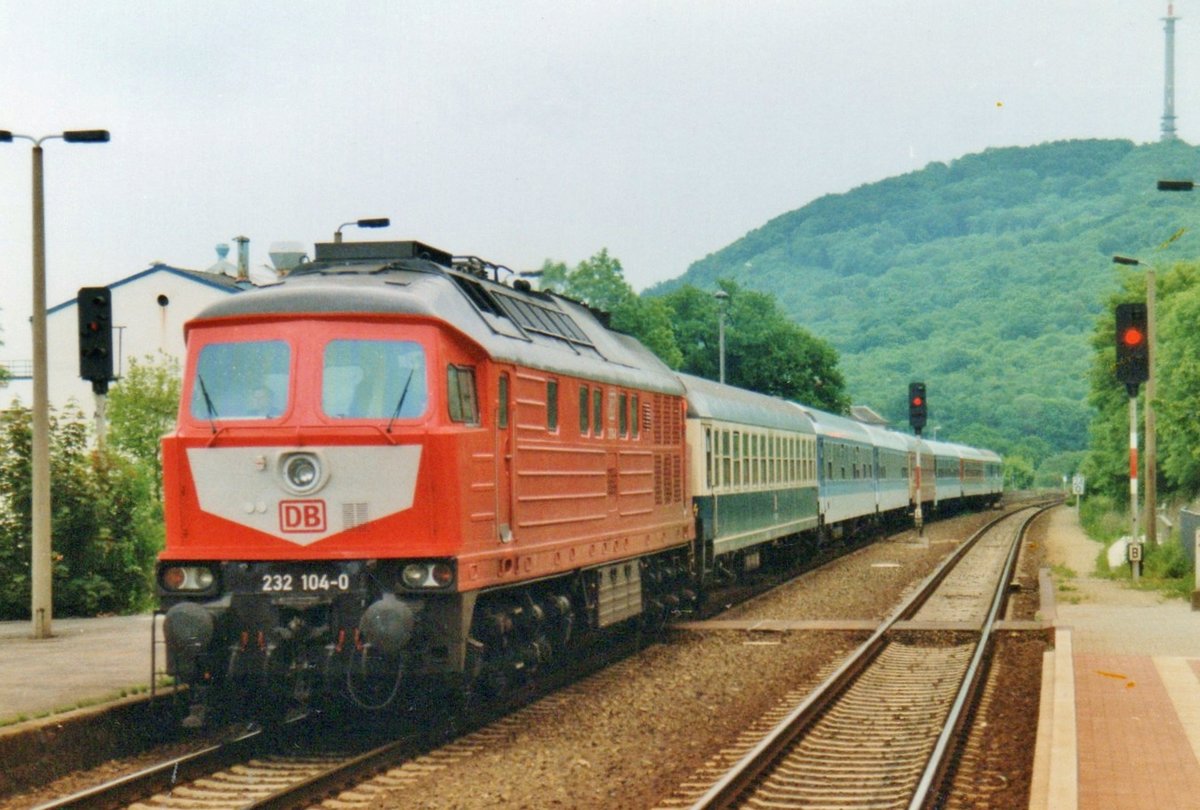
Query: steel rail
(725,791)
(939,759)
(156,778)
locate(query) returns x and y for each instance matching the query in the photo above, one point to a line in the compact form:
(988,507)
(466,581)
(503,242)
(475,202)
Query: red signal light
(1133,336)
(917,402)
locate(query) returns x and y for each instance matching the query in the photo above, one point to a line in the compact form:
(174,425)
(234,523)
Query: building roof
(207,279)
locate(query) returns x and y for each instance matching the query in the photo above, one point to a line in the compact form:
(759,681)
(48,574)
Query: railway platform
(85,662)
(1120,717)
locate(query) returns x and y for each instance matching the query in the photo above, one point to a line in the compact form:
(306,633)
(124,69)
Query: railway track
(308,761)
(880,731)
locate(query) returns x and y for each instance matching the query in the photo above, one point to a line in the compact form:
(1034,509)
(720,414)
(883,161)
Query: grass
(1166,568)
(1062,582)
(131,691)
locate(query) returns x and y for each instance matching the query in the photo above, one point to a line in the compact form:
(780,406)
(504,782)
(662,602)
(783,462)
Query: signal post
(918,412)
(95,349)
(1133,369)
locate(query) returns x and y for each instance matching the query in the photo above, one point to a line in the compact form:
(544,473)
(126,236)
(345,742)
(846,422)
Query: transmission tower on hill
(1168,117)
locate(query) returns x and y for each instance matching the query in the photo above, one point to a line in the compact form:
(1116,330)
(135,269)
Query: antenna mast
(1168,117)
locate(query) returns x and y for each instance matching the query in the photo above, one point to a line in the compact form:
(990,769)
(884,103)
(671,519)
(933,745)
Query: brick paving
(1134,669)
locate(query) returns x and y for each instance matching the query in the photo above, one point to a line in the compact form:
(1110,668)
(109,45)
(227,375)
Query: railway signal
(95,337)
(918,410)
(1133,369)
(1133,346)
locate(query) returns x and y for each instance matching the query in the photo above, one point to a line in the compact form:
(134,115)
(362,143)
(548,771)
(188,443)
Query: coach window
(552,405)
(502,405)
(623,415)
(726,472)
(460,386)
(585,403)
(598,411)
(708,457)
(737,459)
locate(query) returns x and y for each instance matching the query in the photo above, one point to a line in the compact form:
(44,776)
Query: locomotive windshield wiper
(208,403)
(400,404)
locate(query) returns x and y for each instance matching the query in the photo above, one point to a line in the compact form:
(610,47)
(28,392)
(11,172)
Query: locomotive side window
(623,416)
(584,412)
(552,405)
(598,411)
(247,380)
(464,405)
(374,379)
(502,394)
(637,417)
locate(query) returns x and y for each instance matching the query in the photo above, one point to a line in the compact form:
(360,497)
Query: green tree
(600,283)
(141,408)
(764,350)
(1177,363)
(1018,473)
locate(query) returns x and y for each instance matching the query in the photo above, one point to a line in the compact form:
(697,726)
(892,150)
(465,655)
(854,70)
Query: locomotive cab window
(374,379)
(246,380)
(460,387)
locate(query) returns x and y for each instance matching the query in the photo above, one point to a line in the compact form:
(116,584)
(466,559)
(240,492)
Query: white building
(149,310)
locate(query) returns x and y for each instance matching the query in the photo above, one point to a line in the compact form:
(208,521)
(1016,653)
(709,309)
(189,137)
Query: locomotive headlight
(425,575)
(187,578)
(302,473)
(413,575)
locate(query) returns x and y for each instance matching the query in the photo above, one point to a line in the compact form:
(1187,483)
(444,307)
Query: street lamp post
(722,301)
(1151,442)
(41,568)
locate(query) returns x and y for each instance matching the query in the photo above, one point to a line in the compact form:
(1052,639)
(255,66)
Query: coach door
(506,450)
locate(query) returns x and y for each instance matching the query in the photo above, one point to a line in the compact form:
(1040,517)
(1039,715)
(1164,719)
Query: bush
(1102,519)
(1168,561)
(105,522)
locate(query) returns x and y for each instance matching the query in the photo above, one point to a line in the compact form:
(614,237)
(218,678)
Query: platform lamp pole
(722,302)
(41,573)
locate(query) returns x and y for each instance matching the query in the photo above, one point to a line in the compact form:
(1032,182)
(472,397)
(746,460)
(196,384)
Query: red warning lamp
(1133,352)
(1133,336)
(917,406)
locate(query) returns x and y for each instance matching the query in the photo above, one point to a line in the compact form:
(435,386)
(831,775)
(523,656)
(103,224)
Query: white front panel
(359,485)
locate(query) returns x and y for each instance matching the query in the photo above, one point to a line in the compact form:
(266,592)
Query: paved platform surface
(1122,728)
(84,661)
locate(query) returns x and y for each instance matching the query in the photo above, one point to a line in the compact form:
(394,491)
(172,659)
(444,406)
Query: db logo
(302,516)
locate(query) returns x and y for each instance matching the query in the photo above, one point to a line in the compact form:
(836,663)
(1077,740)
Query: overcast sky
(520,131)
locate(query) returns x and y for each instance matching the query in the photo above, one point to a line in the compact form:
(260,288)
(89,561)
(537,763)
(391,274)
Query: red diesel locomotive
(389,466)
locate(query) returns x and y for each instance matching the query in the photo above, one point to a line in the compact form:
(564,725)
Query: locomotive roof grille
(373,257)
(529,315)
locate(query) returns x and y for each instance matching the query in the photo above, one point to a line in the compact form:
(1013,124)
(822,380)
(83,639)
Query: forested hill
(982,277)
